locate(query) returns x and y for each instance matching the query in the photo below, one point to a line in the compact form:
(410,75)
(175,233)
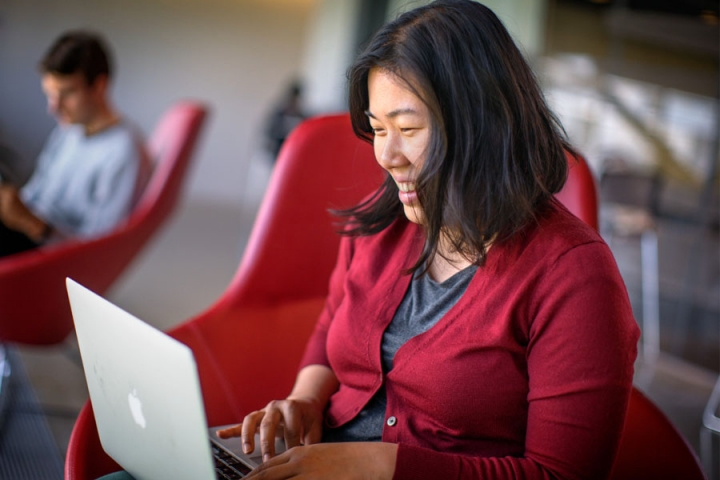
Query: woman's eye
(377,131)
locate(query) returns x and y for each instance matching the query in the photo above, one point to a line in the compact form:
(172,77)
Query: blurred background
(634,82)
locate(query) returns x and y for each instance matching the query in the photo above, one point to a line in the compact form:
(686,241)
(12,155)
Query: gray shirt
(85,185)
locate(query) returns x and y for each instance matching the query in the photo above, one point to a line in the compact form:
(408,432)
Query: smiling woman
(474,328)
(401,125)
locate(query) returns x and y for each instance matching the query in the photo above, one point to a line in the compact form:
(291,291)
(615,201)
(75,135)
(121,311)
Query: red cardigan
(527,376)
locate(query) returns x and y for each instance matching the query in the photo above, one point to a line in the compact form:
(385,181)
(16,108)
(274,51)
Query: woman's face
(401,122)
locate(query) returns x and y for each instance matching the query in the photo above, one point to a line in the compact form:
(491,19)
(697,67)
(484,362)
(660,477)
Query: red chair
(580,194)
(248,345)
(34,309)
(651,446)
(278,290)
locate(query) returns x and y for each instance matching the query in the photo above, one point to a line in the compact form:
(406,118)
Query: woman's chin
(414,213)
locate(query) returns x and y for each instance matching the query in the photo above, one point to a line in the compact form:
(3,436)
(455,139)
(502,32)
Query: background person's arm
(15,215)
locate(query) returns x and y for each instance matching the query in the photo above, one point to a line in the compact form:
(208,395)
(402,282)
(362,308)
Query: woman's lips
(407,193)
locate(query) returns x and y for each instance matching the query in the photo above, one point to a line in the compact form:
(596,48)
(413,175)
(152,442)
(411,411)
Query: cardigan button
(391,421)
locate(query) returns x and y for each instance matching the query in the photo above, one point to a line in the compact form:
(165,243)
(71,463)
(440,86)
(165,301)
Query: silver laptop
(145,393)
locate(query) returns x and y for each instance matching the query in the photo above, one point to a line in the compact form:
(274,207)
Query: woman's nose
(389,154)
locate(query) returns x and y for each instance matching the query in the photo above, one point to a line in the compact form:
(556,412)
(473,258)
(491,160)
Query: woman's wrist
(315,384)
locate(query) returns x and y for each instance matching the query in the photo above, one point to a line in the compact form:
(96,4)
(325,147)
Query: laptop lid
(145,392)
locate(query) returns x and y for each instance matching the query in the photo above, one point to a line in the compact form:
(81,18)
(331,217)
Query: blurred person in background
(285,117)
(92,167)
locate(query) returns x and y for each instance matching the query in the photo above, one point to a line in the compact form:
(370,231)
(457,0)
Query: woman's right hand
(300,415)
(299,418)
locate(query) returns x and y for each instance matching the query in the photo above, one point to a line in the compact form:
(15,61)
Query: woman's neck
(441,269)
(447,262)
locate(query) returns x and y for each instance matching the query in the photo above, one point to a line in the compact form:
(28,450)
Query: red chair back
(651,446)
(292,248)
(34,309)
(279,287)
(580,195)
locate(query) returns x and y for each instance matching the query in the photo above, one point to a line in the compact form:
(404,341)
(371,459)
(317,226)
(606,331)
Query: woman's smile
(401,124)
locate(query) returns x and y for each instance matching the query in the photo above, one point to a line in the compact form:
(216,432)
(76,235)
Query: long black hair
(496,154)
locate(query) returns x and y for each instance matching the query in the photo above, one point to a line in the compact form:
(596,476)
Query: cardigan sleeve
(316,351)
(582,341)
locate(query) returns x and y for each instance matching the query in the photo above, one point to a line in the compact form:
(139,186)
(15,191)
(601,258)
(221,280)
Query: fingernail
(246,447)
(266,457)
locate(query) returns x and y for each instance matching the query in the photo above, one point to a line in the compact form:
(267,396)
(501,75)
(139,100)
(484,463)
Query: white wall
(236,55)
(328,54)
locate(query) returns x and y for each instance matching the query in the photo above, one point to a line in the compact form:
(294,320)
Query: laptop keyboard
(227,466)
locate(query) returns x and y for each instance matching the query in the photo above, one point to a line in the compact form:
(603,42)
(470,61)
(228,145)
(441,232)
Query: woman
(474,328)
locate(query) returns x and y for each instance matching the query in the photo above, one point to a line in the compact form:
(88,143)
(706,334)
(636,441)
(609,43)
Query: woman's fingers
(294,421)
(274,468)
(268,428)
(313,434)
(248,429)
(297,422)
(234,431)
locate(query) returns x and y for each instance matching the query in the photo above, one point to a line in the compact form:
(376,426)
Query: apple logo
(136,408)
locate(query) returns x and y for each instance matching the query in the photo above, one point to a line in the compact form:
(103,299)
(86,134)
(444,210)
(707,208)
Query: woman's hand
(332,461)
(300,418)
(300,415)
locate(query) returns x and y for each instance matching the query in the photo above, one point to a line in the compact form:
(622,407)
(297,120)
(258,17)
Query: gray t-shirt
(85,185)
(424,304)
